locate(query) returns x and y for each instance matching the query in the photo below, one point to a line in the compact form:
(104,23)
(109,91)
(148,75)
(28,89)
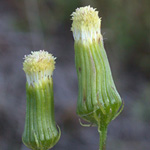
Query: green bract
(98,98)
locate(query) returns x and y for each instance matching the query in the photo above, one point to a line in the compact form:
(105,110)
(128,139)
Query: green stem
(103,134)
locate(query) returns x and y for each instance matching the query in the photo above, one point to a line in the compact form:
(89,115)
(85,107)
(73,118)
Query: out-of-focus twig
(33,17)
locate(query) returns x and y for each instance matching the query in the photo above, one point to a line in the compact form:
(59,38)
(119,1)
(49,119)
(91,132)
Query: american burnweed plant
(98,100)
(40,132)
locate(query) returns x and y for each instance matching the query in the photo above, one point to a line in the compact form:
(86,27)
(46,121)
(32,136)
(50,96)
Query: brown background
(28,25)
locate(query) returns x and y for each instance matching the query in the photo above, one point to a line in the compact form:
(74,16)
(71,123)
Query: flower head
(86,24)
(38,65)
(40,130)
(98,98)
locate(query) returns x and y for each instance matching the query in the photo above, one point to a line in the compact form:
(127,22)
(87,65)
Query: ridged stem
(103,135)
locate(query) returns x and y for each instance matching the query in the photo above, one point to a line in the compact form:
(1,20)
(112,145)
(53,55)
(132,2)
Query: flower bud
(98,100)
(40,132)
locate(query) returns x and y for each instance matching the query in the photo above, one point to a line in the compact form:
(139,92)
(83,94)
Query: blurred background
(28,25)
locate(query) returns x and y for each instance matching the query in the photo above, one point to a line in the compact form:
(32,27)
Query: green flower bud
(98,100)
(40,132)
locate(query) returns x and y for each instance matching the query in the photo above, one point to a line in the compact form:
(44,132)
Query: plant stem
(103,134)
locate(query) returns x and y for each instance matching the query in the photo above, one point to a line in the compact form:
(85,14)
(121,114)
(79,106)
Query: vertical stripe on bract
(39,98)
(88,81)
(80,68)
(49,109)
(83,76)
(107,85)
(100,73)
(36,133)
(115,101)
